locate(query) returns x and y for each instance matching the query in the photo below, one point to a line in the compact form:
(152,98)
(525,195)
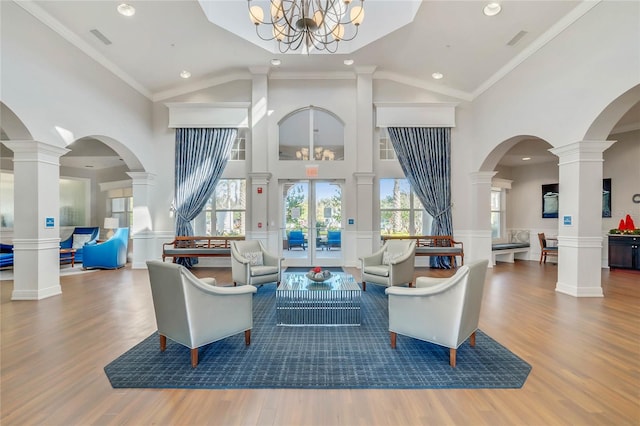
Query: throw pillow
(255,258)
(519,236)
(79,240)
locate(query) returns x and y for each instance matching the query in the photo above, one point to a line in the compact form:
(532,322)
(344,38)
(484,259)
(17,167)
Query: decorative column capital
(581,151)
(364,178)
(479,178)
(260,178)
(29,150)
(142,178)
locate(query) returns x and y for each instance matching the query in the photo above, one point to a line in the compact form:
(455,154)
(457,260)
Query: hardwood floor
(585,355)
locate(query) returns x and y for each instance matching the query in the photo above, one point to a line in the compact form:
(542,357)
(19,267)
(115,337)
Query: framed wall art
(550,200)
(606,197)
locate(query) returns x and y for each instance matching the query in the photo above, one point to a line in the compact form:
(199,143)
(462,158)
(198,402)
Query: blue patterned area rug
(319,358)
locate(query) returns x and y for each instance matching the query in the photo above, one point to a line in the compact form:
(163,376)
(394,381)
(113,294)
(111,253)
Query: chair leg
(235,284)
(163,343)
(194,357)
(393,336)
(247,337)
(364,286)
(452,357)
(410,284)
(540,263)
(472,339)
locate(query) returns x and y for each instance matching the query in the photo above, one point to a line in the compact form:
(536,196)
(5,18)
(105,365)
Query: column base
(579,291)
(36,294)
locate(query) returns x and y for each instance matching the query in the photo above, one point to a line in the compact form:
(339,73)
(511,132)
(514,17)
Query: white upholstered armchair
(392,265)
(444,311)
(193,312)
(252,264)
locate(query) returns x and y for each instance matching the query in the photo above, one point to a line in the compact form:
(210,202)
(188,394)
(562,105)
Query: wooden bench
(198,246)
(434,245)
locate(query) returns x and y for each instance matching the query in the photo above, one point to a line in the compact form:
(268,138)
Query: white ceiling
(164,37)
(149,50)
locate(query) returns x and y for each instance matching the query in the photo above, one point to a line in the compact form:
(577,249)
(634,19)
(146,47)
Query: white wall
(524,204)
(558,92)
(47,82)
(622,165)
(524,199)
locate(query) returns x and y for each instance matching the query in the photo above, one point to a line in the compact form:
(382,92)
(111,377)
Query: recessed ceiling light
(185,74)
(348,62)
(526,158)
(126,9)
(492,9)
(276,62)
(437,75)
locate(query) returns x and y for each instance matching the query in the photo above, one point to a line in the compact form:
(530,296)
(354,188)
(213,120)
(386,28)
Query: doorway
(311,230)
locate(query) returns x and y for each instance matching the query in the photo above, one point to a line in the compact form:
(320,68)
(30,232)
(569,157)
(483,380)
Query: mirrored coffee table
(302,302)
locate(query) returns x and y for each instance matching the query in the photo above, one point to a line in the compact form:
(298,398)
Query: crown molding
(38,13)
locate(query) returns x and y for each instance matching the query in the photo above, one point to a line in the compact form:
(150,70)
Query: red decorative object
(628,223)
(621,225)
(317,269)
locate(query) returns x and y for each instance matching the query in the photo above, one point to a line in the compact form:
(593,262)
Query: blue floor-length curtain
(425,157)
(201,156)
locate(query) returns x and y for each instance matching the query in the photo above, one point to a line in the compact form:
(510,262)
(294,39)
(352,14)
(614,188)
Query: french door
(311,229)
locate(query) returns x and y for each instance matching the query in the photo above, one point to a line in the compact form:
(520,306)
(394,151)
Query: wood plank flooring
(585,355)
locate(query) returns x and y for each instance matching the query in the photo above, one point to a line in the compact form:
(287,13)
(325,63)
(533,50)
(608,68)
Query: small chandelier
(310,24)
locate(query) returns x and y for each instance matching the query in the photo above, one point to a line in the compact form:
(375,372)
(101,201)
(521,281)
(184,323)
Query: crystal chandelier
(308,24)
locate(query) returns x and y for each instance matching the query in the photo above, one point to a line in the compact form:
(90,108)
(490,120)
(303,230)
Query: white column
(364,215)
(364,119)
(259,119)
(364,175)
(479,241)
(580,218)
(36,232)
(259,221)
(142,237)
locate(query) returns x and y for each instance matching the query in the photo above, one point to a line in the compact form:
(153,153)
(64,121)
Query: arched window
(311,134)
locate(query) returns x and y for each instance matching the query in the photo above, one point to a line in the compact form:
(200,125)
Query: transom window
(311,134)
(385,147)
(401,212)
(239,148)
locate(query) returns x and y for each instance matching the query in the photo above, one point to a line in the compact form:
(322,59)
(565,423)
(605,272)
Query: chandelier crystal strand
(307,24)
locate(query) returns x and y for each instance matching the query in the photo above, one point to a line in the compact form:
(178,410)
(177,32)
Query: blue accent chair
(334,239)
(6,255)
(82,232)
(296,239)
(111,254)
